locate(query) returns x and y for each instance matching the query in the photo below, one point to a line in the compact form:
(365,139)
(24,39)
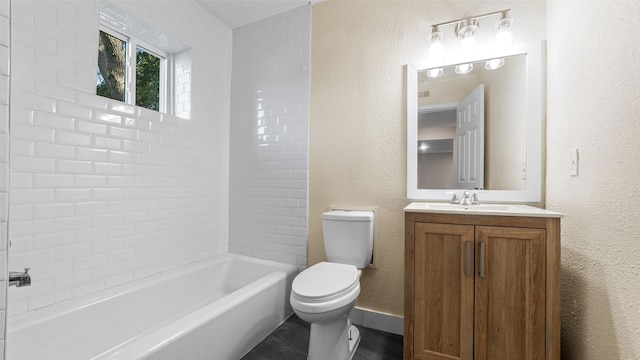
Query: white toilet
(324,293)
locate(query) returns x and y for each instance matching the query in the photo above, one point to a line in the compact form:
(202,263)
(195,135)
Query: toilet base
(336,340)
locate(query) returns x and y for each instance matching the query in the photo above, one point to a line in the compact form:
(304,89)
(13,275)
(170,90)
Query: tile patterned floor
(291,340)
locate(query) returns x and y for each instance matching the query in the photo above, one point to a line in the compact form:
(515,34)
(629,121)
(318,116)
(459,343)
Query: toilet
(324,294)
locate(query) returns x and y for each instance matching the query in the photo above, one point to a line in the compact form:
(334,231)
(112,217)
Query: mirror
(480,131)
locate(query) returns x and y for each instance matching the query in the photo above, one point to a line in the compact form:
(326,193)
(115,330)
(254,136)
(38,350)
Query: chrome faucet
(466,198)
(19,278)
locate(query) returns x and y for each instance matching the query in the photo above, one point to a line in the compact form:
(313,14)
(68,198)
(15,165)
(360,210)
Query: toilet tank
(348,237)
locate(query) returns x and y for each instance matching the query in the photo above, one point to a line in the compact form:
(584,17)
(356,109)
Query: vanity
(482,273)
(482,282)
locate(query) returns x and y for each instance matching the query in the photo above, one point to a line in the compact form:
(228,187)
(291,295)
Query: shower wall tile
(269,138)
(4,8)
(5,54)
(183,84)
(103,192)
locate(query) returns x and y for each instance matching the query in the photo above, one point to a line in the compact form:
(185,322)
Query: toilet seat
(324,287)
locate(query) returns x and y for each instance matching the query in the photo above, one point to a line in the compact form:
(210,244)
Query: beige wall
(594,105)
(357,136)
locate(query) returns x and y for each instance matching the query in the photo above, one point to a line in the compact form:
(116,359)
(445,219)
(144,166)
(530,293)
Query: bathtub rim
(33,318)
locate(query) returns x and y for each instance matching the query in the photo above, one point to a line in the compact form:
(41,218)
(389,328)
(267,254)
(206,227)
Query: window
(140,64)
(132,76)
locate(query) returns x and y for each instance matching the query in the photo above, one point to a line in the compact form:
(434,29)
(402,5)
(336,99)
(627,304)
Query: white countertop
(481,209)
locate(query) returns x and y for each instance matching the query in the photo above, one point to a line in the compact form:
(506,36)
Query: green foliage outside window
(147,80)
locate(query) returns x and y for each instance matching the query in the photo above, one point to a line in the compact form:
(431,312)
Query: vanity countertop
(481,209)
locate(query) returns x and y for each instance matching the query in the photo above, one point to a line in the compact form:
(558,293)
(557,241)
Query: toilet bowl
(323,295)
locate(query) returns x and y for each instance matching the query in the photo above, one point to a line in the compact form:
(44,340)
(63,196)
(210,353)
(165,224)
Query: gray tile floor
(291,340)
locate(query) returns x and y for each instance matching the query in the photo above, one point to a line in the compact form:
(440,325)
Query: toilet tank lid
(348,215)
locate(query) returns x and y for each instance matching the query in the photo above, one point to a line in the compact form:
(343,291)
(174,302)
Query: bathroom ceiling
(236,13)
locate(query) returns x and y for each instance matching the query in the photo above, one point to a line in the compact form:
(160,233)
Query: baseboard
(377,320)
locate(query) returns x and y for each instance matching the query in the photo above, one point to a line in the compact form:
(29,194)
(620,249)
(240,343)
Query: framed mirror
(479,132)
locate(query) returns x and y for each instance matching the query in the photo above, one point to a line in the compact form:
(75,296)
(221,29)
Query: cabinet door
(443,300)
(510,293)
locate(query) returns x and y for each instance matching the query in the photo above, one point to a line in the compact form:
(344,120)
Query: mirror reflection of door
(451,144)
(470,135)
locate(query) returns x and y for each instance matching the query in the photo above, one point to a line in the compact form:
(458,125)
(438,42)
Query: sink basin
(481,209)
(472,208)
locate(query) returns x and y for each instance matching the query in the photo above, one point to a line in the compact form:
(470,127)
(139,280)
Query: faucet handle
(474,199)
(26,270)
(454,197)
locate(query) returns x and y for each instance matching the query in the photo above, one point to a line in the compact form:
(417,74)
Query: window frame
(166,95)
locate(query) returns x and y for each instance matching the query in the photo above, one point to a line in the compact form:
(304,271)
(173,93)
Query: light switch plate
(575,159)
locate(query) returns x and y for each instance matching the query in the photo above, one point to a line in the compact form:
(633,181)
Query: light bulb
(464,68)
(435,72)
(466,32)
(494,64)
(467,46)
(436,49)
(503,40)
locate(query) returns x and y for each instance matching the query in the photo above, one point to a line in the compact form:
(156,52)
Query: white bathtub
(216,309)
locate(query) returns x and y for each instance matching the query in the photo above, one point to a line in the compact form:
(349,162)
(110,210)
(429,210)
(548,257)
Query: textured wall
(102,192)
(4,159)
(269,138)
(594,105)
(357,132)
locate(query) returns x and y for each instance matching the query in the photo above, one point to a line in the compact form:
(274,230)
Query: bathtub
(216,309)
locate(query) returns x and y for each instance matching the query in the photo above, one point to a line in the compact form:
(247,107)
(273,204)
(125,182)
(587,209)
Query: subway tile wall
(102,192)
(5,56)
(182,91)
(269,138)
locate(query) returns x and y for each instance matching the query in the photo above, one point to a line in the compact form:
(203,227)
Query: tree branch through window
(111,66)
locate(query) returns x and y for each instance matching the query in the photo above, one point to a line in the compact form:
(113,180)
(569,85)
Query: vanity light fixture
(466,30)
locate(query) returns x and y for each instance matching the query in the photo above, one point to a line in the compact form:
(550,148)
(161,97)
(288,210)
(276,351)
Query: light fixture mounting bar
(503,13)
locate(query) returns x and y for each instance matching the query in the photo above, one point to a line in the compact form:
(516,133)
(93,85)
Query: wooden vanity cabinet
(481,287)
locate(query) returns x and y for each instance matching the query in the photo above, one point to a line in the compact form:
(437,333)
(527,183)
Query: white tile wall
(103,192)
(5,54)
(183,84)
(269,138)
